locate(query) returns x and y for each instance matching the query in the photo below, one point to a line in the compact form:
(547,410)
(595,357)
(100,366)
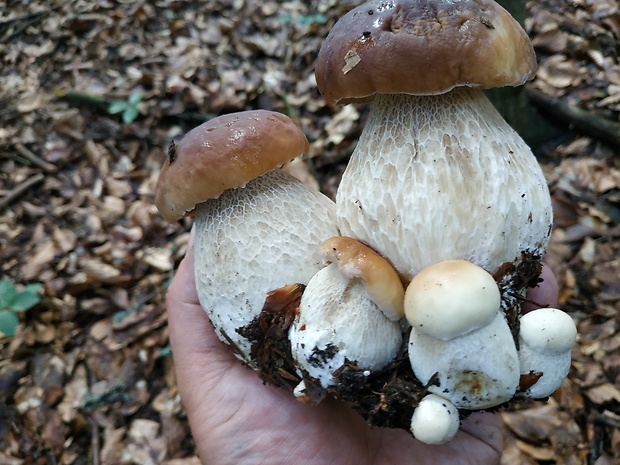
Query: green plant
(13,301)
(128,108)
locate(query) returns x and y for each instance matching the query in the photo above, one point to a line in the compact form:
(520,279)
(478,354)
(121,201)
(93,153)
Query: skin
(237,420)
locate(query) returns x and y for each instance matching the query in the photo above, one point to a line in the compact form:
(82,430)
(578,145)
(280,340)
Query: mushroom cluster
(410,285)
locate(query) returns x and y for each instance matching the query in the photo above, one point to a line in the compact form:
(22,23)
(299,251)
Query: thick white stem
(255,239)
(443,177)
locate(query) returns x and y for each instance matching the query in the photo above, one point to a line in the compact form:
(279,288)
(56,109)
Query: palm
(236,419)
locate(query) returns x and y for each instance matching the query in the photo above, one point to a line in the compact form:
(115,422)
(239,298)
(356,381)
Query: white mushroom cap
(451,298)
(435,420)
(546,337)
(475,371)
(338,322)
(548,329)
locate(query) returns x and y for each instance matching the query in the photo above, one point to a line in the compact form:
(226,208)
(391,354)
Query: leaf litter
(88,377)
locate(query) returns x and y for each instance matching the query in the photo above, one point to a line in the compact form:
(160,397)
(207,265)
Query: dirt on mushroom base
(386,397)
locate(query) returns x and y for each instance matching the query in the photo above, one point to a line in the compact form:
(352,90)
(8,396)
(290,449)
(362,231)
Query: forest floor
(88,377)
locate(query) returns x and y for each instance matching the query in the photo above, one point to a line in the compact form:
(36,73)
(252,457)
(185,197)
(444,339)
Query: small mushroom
(356,260)
(546,337)
(451,298)
(435,420)
(460,337)
(437,173)
(257,228)
(348,313)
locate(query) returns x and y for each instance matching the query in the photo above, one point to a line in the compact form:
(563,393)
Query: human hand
(236,419)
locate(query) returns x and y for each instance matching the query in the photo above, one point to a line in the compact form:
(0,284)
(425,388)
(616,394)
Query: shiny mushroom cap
(224,153)
(422,47)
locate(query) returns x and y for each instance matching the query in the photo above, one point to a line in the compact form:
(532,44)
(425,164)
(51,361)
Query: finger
(545,294)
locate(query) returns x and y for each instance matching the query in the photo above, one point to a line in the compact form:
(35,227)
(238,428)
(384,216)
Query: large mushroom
(257,228)
(437,173)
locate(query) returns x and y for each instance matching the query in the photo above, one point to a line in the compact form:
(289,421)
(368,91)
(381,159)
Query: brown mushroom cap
(224,153)
(357,260)
(422,47)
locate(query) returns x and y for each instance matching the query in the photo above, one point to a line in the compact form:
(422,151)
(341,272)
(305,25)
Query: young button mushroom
(460,337)
(546,337)
(349,312)
(257,228)
(451,298)
(435,420)
(437,173)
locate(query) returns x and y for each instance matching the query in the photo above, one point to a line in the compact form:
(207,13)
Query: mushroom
(546,337)
(451,298)
(459,337)
(437,173)
(435,420)
(257,228)
(348,313)
(356,260)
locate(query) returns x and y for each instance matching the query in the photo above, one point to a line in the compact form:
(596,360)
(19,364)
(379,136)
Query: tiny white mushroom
(435,420)
(339,319)
(546,337)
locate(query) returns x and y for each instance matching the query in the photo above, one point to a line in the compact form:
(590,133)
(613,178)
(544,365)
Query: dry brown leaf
(603,394)
(146,446)
(534,424)
(99,271)
(112,450)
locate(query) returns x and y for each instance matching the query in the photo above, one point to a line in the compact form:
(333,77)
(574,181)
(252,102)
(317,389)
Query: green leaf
(8,292)
(130,115)
(117,106)
(26,299)
(135,98)
(8,323)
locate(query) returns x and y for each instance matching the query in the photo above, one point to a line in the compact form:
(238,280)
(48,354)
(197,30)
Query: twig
(19,190)
(585,121)
(35,159)
(20,24)
(94,441)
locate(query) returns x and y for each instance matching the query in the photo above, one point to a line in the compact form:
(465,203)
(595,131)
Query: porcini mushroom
(349,312)
(460,337)
(257,228)
(451,298)
(382,283)
(546,337)
(437,173)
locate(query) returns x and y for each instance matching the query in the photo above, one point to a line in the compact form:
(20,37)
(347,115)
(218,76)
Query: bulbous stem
(443,177)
